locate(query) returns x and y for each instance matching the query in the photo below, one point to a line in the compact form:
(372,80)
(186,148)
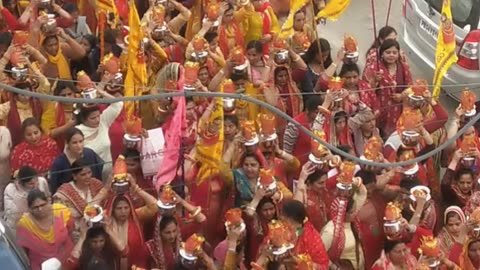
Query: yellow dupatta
(62,64)
(209,149)
(27,222)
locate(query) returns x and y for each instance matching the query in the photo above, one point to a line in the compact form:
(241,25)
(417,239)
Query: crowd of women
(222,183)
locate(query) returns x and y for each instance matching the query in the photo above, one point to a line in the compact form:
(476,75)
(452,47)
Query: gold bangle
(197,211)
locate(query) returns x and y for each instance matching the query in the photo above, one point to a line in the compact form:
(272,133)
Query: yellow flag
(333,10)
(445,54)
(287,27)
(136,77)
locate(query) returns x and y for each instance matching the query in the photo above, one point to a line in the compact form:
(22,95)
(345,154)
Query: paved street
(357,21)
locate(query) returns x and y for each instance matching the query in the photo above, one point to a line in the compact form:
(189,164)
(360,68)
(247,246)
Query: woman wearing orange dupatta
(470,257)
(229,32)
(395,78)
(127,222)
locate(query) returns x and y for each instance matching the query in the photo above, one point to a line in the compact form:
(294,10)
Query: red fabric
(298,75)
(257,230)
(371,233)
(39,156)
(267,22)
(175,53)
(439,120)
(14,124)
(10,20)
(137,253)
(303,144)
(390,111)
(368,96)
(212,196)
(455,253)
(317,208)
(414,245)
(223,39)
(309,242)
(338,211)
(123,10)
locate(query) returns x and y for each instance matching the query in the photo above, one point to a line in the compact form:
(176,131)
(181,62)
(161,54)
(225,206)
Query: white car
(420,25)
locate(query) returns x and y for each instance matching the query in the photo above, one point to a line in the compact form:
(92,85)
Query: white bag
(152,151)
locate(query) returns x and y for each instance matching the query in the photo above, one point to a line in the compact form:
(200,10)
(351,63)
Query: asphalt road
(357,21)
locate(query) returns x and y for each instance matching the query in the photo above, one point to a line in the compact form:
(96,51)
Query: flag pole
(375,32)
(388,12)
(315,33)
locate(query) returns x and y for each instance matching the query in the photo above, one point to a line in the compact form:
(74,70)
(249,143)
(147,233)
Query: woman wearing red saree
(259,213)
(127,223)
(392,75)
(284,95)
(308,239)
(395,256)
(350,73)
(311,191)
(37,151)
(77,194)
(451,235)
(165,245)
(384,33)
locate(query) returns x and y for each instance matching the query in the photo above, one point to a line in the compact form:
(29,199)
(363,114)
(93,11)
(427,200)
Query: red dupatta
(14,123)
(156,249)
(223,38)
(267,21)
(309,242)
(137,253)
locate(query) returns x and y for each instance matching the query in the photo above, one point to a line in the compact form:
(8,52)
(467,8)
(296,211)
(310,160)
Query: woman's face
(390,55)
(230,129)
(251,167)
(23,98)
(474,253)
(398,254)
(83,177)
(32,184)
(97,244)
(253,56)
(121,212)
(319,184)
(465,183)
(392,35)
(190,111)
(51,46)
(75,144)
(133,165)
(351,80)
(341,124)
(299,21)
(203,76)
(32,134)
(369,125)
(213,44)
(85,44)
(268,211)
(322,57)
(169,233)
(93,119)
(228,16)
(40,208)
(257,3)
(454,225)
(282,78)
(67,92)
